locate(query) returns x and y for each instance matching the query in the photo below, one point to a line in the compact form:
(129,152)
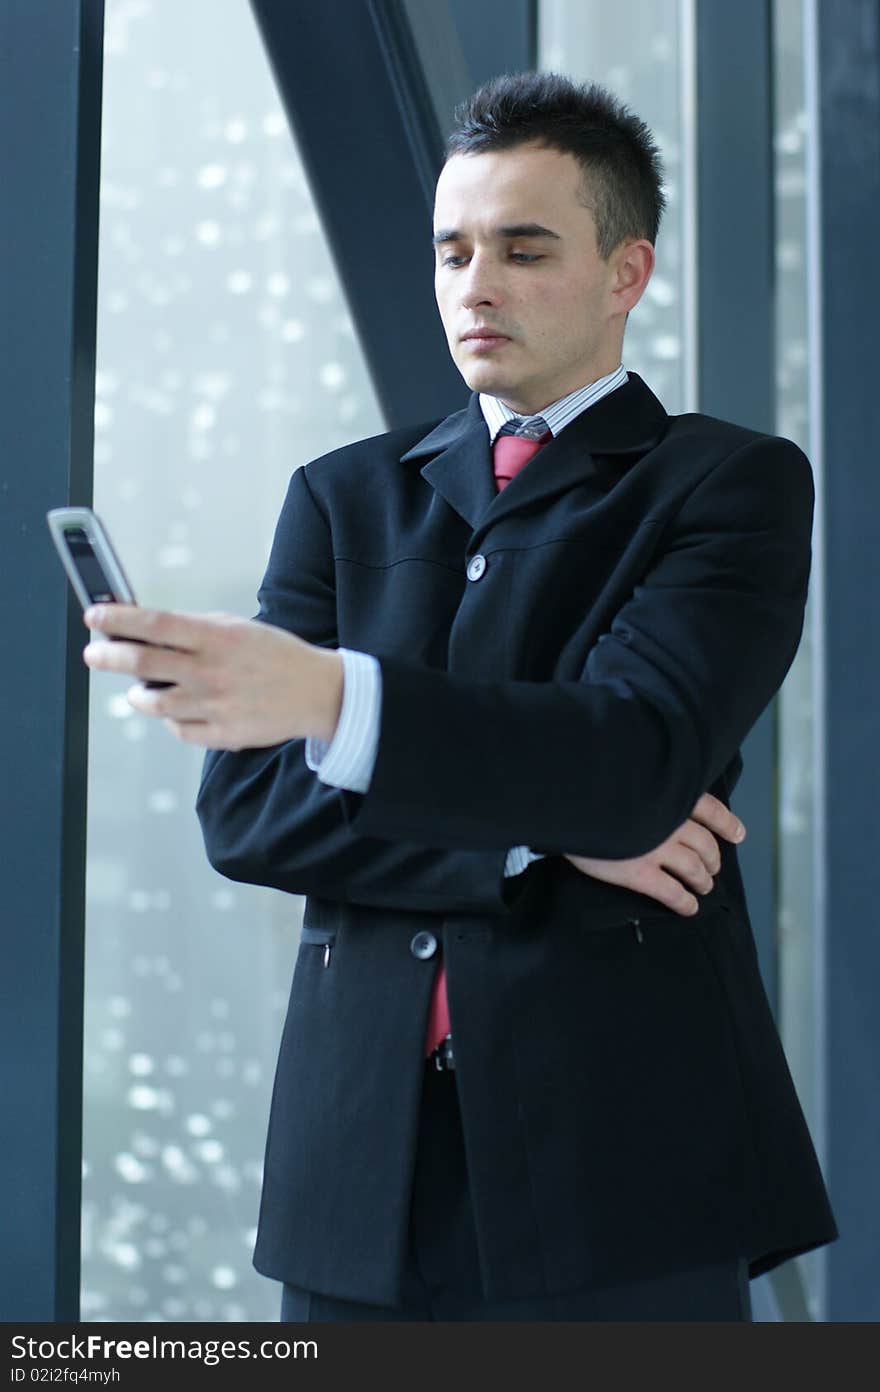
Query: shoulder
(723,455)
(733,479)
(723,438)
(339,467)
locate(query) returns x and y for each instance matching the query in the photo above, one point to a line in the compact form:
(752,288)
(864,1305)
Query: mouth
(485,340)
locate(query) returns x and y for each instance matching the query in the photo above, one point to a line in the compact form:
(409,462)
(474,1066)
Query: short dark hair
(620,160)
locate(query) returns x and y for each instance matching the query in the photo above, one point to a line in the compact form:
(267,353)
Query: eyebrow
(517,229)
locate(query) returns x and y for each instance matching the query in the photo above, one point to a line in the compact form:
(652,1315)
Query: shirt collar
(559,413)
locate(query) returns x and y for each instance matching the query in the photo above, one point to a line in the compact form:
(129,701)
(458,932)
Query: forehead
(528,183)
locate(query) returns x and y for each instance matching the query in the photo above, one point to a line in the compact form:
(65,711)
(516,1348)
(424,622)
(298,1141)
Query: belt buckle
(443,1055)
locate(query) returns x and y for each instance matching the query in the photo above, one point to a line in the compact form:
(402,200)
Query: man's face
(518,256)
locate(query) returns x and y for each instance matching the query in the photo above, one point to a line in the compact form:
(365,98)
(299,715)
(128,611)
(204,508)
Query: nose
(479,283)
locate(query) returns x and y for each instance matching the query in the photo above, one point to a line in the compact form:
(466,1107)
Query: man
(489,723)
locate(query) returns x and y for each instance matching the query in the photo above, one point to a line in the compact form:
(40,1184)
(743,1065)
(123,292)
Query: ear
(633,266)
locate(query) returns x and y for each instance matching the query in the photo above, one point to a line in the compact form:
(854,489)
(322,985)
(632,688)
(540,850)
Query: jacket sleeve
(267,819)
(665,698)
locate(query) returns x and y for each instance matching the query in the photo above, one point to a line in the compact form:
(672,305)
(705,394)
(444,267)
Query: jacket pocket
(660,919)
(318,937)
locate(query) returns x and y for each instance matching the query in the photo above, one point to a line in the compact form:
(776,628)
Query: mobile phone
(91,562)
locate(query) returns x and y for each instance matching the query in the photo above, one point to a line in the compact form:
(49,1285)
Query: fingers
(643,875)
(194,732)
(173,704)
(712,813)
(187,632)
(679,871)
(670,892)
(138,660)
(694,867)
(652,880)
(696,847)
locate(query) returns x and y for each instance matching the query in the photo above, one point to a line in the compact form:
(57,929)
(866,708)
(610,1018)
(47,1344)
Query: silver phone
(93,567)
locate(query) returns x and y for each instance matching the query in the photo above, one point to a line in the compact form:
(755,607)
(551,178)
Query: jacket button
(423,945)
(476,567)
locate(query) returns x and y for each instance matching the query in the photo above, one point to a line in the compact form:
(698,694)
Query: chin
(482,377)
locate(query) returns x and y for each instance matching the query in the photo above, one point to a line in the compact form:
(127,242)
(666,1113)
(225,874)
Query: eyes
(523,257)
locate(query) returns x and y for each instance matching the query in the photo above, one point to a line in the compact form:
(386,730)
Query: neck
(536,405)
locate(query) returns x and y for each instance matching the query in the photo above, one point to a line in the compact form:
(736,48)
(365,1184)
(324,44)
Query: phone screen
(89,567)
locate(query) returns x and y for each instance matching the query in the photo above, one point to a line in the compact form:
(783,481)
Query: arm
(665,699)
(659,710)
(347,760)
(691,852)
(267,819)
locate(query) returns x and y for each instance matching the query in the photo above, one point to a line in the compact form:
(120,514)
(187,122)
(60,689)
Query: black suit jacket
(625,1100)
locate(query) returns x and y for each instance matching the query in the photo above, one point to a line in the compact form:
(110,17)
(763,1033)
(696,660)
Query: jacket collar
(625,423)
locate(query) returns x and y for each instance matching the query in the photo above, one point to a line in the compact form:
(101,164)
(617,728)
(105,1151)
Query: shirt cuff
(519,859)
(347,761)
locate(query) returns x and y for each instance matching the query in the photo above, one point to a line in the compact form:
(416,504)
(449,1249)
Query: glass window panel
(226,358)
(591,41)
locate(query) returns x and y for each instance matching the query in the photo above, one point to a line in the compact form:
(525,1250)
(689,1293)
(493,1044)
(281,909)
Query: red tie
(512,452)
(509,454)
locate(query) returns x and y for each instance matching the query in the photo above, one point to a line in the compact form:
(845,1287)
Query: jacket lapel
(623,425)
(461,467)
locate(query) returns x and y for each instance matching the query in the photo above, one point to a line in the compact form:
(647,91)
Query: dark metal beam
(370,143)
(50,107)
(736,344)
(369,90)
(735,213)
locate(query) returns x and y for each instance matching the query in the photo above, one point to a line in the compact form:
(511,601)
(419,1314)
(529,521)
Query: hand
(691,852)
(237,683)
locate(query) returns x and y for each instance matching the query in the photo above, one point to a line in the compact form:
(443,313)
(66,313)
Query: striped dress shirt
(347,761)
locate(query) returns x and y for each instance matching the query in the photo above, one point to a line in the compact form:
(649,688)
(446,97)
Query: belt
(442,1056)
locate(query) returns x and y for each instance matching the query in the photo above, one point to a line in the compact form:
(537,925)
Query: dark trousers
(442,1278)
